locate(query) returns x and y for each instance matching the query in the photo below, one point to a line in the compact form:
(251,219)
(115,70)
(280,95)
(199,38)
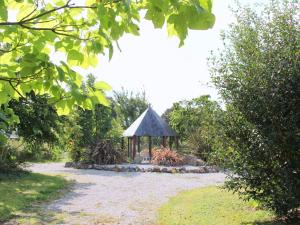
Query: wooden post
(122,143)
(133,146)
(164,138)
(150,147)
(139,144)
(170,142)
(128,148)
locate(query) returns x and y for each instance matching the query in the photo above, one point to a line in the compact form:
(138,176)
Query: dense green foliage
(129,105)
(91,130)
(39,127)
(258,75)
(38,120)
(9,158)
(19,193)
(212,205)
(197,122)
(32,31)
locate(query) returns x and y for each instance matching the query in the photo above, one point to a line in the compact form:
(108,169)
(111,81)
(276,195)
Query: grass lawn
(19,194)
(211,205)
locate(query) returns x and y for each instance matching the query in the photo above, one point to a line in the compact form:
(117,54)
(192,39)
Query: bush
(258,75)
(38,152)
(166,157)
(9,159)
(105,152)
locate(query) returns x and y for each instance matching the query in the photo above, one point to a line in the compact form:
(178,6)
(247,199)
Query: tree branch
(15,89)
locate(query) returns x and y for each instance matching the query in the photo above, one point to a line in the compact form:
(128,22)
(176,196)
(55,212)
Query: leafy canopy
(197,123)
(33,30)
(258,75)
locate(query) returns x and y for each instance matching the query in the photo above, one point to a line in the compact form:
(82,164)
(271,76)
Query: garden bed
(145,168)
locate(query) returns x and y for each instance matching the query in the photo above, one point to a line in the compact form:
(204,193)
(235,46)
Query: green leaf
(177,25)
(75,55)
(3,97)
(61,73)
(156,16)
(3,11)
(62,108)
(199,20)
(102,86)
(101,98)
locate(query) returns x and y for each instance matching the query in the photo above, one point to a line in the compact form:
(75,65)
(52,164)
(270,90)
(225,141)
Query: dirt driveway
(105,197)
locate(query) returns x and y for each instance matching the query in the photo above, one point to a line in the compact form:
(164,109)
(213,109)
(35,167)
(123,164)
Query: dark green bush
(258,74)
(9,159)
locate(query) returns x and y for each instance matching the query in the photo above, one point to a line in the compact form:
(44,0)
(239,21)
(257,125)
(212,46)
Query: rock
(174,170)
(206,169)
(131,169)
(85,166)
(190,160)
(201,170)
(164,170)
(69,164)
(97,167)
(200,162)
(117,169)
(213,169)
(156,169)
(182,170)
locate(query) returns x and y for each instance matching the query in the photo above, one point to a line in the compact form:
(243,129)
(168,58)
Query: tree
(39,122)
(39,127)
(129,106)
(258,75)
(197,123)
(80,33)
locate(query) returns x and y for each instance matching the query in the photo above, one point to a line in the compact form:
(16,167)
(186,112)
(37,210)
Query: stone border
(143,169)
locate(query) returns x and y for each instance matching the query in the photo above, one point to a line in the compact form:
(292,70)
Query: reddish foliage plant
(166,157)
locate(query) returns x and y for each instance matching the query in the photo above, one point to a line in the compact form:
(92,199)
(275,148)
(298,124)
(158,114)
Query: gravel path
(106,197)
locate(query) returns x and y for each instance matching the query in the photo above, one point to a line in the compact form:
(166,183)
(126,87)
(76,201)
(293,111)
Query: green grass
(21,194)
(212,205)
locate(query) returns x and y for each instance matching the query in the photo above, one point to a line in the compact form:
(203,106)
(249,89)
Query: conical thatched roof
(149,124)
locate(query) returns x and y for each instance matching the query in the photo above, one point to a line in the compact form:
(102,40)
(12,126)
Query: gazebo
(149,124)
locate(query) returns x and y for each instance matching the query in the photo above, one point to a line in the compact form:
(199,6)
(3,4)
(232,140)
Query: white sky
(154,63)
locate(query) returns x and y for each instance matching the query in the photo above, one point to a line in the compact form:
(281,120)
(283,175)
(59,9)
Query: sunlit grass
(212,205)
(19,194)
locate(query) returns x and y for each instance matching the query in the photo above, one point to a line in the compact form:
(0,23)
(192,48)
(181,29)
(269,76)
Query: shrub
(9,160)
(105,152)
(166,157)
(257,74)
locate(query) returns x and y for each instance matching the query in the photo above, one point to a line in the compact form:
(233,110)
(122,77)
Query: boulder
(156,169)
(97,167)
(190,160)
(201,170)
(200,162)
(131,169)
(206,169)
(213,169)
(69,164)
(182,170)
(174,170)
(117,169)
(164,170)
